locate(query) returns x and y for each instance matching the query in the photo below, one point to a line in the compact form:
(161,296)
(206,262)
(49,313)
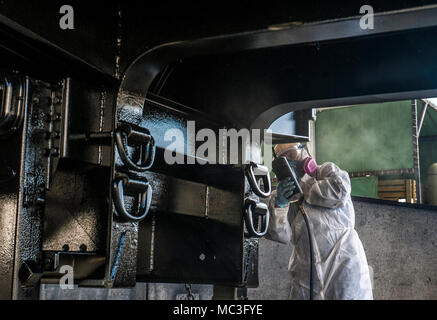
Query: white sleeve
(279,229)
(330,188)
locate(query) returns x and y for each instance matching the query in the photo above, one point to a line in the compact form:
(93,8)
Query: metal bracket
(143,196)
(253,178)
(140,138)
(253,211)
(57,127)
(30,273)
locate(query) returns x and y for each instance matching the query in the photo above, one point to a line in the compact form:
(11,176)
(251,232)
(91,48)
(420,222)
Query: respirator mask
(307,165)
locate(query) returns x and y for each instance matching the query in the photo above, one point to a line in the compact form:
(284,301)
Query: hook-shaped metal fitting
(254,212)
(13,96)
(142,191)
(139,137)
(261,172)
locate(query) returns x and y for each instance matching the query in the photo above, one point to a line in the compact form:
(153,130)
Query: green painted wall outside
(366,137)
(365,187)
(374,137)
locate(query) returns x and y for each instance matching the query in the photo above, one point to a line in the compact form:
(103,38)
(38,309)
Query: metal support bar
(430,104)
(416,158)
(422,117)
(95,138)
(65,115)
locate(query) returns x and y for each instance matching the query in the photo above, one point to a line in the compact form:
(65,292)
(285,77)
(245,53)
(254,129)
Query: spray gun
(283,170)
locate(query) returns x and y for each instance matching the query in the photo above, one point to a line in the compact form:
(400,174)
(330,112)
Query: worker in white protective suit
(340,269)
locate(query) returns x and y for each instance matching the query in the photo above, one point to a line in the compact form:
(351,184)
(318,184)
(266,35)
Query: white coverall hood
(340,264)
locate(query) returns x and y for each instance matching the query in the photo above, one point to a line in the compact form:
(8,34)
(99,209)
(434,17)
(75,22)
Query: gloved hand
(284,191)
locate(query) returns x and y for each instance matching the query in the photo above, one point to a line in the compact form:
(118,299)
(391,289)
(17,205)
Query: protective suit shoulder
(279,229)
(330,188)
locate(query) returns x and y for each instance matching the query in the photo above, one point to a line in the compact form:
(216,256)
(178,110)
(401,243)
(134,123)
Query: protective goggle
(296,155)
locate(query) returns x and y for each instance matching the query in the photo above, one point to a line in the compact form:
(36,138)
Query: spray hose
(310,239)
